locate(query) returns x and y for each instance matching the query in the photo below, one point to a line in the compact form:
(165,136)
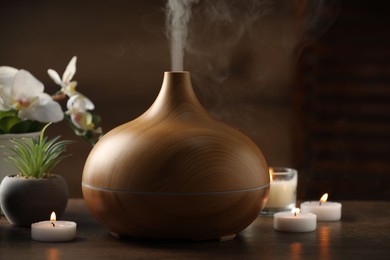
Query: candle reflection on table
(323,232)
(296,250)
(52,253)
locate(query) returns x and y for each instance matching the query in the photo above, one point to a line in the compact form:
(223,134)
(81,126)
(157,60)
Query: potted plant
(35,192)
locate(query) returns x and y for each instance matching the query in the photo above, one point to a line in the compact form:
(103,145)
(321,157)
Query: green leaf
(22,127)
(10,113)
(7,123)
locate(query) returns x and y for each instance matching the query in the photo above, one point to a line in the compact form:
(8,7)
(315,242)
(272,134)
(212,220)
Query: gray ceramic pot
(25,201)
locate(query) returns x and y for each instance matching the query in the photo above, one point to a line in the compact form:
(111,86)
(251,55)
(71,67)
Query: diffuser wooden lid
(175,147)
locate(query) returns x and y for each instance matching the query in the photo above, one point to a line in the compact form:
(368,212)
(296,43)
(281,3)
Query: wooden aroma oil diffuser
(175,172)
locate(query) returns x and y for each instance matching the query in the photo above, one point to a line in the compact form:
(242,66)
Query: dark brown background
(326,113)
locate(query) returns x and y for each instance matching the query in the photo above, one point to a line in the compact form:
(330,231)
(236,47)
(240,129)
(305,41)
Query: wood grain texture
(175,164)
(194,217)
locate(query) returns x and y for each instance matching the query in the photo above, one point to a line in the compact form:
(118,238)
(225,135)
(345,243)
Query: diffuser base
(227,238)
(220,239)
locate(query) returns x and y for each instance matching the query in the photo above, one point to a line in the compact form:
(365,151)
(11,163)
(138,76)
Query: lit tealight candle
(325,210)
(53,231)
(295,221)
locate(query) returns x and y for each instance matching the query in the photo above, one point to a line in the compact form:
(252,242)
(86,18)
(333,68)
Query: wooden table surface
(363,232)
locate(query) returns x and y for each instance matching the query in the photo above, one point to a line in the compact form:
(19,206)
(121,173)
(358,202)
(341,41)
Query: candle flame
(295,211)
(53,216)
(324,198)
(271,171)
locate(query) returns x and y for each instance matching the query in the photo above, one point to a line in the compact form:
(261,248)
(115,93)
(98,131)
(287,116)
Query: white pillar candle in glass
(283,190)
(325,210)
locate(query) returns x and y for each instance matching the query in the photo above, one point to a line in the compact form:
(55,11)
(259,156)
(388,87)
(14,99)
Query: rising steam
(219,28)
(178,14)
(241,55)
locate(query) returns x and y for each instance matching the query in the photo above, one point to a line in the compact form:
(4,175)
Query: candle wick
(295,214)
(53,224)
(320,203)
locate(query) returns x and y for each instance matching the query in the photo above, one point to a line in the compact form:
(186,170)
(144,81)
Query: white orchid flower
(22,97)
(78,106)
(7,75)
(67,86)
(28,98)
(80,102)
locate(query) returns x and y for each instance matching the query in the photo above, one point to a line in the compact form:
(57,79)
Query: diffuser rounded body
(175,172)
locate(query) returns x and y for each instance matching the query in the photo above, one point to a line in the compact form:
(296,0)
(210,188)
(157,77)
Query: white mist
(178,13)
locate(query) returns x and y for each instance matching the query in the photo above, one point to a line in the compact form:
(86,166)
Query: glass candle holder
(283,190)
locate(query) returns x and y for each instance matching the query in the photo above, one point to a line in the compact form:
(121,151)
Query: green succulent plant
(36,157)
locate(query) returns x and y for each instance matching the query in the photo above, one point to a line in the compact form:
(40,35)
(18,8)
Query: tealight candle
(53,231)
(295,221)
(325,210)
